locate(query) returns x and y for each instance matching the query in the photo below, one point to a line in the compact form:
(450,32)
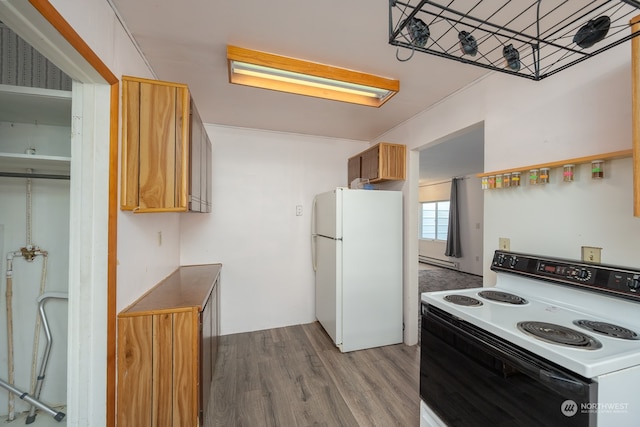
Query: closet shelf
(19,104)
(560,163)
(16,162)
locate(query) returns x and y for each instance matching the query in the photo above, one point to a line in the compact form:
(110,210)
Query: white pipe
(28,211)
(36,332)
(10,363)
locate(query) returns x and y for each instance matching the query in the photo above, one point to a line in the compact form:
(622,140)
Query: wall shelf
(20,104)
(558,164)
(16,162)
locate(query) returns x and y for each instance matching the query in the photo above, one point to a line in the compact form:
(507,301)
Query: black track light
(592,32)
(512,57)
(468,44)
(418,31)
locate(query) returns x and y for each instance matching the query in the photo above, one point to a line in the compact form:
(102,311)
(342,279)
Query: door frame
(91,365)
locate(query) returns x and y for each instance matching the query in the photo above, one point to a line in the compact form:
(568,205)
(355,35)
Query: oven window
(469,381)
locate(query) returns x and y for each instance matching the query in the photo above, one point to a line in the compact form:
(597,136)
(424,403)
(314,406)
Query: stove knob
(513,262)
(584,274)
(501,258)
(635,283)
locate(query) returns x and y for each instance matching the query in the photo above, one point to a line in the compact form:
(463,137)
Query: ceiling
(458,155)
(186,42)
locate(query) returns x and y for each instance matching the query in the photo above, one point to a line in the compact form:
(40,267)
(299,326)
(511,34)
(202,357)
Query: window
(434,220)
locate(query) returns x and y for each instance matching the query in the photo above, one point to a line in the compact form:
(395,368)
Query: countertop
(187,287)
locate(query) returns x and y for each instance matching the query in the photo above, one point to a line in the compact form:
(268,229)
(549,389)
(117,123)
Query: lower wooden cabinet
(167,347)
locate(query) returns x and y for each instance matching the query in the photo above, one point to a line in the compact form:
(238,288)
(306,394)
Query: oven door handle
(550,377)
(562,381)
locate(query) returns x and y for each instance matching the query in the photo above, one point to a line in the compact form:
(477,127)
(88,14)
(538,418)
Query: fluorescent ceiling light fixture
(268,71)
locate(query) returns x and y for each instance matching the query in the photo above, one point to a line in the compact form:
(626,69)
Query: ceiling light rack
(534,39)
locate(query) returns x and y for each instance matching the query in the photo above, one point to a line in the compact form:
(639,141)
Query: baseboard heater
(439,262)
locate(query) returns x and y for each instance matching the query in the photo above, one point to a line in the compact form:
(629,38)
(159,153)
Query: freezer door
(328,295)
(327,220)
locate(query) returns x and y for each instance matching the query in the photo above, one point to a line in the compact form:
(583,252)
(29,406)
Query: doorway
(459,155)
(91,281)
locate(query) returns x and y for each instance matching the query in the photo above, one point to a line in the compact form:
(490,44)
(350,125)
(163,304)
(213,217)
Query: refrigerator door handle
(313,217)
(314,261)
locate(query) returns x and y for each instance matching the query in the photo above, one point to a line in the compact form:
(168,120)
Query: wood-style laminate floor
(295,376)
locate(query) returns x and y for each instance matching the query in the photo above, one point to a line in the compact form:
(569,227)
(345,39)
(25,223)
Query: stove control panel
(620,281)
(565,271)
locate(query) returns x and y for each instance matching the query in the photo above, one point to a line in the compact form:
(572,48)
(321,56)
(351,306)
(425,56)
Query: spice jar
(485,182)
(506,180)
(567,173)
(498,181)
(534,176)
(515,179)
(597,169)
(544,176)
(492,181)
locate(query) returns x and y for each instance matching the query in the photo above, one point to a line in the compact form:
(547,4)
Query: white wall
(259,177)
(471,208)
(581,111)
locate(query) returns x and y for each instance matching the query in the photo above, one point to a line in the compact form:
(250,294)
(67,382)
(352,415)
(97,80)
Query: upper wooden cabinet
(158,145)
(200,165)
(382,162)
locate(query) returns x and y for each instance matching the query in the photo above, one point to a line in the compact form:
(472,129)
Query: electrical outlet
(591,254)
(298,210)
(504,243)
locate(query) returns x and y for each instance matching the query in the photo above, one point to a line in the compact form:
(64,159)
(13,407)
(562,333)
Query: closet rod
(33,175)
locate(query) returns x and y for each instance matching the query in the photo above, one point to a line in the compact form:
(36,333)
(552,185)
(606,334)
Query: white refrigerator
(357,258)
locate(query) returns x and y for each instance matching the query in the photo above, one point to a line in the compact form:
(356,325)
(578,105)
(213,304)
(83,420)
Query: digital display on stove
(580,274)
(556,269)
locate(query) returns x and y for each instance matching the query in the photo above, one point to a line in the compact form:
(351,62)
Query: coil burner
(503,297)
(607,329)
(463,300)
(557,334)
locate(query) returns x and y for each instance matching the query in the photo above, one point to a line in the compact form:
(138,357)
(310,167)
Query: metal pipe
(36,332)
(34,175)
(57,415)
(42,299)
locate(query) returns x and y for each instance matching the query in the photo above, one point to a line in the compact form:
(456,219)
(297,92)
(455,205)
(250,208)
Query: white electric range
(555,342)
